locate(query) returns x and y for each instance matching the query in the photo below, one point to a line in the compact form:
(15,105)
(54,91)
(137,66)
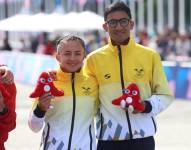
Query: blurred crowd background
(164,25)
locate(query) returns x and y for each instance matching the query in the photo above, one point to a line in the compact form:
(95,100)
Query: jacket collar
(127,45)
(65,76)
(124,42)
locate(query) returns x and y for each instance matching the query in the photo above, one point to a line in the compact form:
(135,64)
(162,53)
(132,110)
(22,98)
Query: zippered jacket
(70,124)
(114,68)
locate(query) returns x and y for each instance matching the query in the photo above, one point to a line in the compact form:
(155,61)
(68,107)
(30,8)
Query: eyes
(127,91)
(50,80)
(134,92)
(123,22)
(69,53)
(43,80)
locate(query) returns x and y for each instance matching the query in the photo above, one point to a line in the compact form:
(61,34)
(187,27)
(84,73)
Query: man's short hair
(117,6)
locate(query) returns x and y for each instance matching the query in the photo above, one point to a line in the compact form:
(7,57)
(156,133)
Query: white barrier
(27,66)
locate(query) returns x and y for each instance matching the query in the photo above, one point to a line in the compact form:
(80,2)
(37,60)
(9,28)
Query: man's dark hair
(117,6)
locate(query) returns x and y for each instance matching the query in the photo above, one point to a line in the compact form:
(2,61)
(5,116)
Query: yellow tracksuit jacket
(70,124)
(114,67)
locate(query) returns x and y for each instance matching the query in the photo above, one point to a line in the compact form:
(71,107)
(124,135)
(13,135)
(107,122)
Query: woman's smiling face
(70,56)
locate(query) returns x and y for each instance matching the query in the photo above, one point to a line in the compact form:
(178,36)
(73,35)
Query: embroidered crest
(86,90)
(139,72)
(107,76)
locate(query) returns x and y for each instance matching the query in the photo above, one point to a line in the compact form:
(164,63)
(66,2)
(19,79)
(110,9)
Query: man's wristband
(148,107)
(38,112)
(4,111)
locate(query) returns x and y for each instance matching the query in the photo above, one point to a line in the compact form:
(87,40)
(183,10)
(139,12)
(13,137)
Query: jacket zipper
(73,112)
(46,138)
(123,87)
(101,121)
(90,133)
(154,124)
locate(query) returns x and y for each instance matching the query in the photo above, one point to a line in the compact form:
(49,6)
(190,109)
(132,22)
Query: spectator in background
(46,48)
(171,49)
(91,43)
(162,44)
(34,43)
(49,48)
(25,46)
(173,45)
(184,45)
(143,37)
(6,45)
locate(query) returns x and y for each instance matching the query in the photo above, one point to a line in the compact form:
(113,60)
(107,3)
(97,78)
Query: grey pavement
(173,131)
